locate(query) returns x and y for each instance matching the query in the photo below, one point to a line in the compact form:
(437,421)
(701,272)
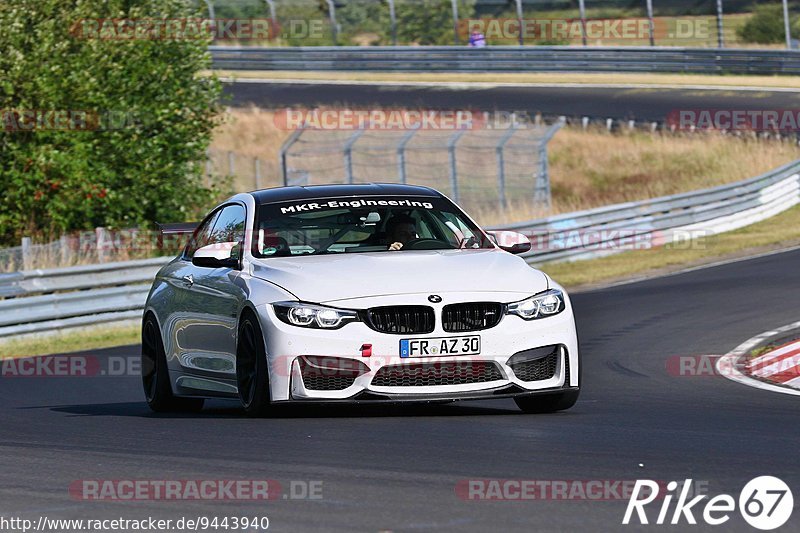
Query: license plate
(470,345)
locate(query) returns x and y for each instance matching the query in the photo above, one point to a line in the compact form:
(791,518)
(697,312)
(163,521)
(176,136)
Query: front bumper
(286,345)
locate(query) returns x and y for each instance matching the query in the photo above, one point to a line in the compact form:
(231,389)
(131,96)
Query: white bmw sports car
(354,293)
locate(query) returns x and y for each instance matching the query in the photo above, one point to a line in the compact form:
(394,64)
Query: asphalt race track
(396,468)
(640,104)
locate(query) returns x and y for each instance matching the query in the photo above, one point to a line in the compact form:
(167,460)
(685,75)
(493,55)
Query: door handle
(189,280)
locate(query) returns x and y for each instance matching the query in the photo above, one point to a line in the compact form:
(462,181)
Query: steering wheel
(427,244)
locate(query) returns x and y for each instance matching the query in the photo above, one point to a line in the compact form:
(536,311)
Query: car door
(185,310)
(209,340)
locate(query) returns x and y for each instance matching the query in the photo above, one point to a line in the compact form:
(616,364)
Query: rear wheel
(252,377)
(548,403)
(155,376)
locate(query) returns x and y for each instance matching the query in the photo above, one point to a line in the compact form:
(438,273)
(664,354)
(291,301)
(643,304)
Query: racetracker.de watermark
(553,489)
(562,29)
(194,489)
(404,119)
(189,29)
(746,120)
(69,120)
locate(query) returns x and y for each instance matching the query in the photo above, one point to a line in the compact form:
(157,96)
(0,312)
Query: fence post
(582,9)
(393,19)
(334,25)
(208,167)
(272,14)
(258,173)
(64,249)
(210,9)
(541,193)
(293,138)
(348,154)
(720,26)
(103,240)
(231,163)
(401,154)
(451,152)
(27,257)
(650,21)
(455,22)
(787,25)
(519,20)
(501,163)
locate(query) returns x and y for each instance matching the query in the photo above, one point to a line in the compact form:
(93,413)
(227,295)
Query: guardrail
(508,59)
(46,300)
(51,299)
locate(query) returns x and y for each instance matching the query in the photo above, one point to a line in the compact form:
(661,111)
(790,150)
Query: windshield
(365,224)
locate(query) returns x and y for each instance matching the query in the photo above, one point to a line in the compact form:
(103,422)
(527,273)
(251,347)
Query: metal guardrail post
(451,152)
(293,138)
(720,26)
(501,163)
(348,154)
(401,154)
(519,19)
(231,163)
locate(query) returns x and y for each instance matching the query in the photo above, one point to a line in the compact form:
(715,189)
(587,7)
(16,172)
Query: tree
(138,117)
(430,22)
(765,26)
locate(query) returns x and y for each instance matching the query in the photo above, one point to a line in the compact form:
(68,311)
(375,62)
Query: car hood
(327,278)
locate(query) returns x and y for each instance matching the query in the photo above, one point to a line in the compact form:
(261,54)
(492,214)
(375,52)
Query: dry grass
(588,168)
(548,78)
(593,168)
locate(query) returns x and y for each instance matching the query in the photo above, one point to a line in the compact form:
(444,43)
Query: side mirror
(219,255)
(511,241)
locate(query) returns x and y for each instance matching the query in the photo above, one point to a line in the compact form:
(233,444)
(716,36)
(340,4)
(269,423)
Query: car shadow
(221,409)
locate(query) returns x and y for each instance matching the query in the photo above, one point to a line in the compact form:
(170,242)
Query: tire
(548,403)
(155,375)
(252,376)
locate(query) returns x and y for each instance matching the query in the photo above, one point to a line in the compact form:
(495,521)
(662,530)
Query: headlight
(313,316)
(542,305)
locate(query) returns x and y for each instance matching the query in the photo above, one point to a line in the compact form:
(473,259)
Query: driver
(400,229)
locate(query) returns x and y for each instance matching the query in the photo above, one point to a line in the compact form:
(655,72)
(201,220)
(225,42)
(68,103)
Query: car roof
(283,194)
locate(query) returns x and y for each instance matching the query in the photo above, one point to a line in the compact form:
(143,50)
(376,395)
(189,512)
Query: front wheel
(155,376)
(252,376)
(548,403)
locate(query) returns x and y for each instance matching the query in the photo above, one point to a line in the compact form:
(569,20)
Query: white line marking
(492,85)
(726,365)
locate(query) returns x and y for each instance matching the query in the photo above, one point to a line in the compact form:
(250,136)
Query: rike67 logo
(765,503)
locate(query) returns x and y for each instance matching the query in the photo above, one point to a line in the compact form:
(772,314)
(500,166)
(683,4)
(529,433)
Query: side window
(201,235)
(229,226)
